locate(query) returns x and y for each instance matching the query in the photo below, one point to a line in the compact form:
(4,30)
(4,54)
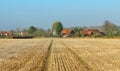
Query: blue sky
(42,13)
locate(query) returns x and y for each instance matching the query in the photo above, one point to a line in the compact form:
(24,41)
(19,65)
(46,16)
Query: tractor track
(63,58)
(78,57)
(45,62)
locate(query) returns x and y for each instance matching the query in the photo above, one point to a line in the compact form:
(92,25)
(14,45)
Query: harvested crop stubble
(29,59)
(100,54)
(59,55)
(62,59)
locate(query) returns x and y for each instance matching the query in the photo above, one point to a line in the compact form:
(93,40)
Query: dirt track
(64,59)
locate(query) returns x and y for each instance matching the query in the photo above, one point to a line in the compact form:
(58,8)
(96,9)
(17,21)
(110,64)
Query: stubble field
(55,54)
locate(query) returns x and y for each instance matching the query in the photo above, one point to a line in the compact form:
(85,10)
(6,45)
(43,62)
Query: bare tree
(109,28)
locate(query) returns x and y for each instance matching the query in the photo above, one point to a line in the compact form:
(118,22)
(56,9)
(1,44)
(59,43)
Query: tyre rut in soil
(45,62)
(78,57)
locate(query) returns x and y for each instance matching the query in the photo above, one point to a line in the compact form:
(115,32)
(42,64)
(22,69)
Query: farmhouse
(20,33)
(67,32)
(54,33)
(89,32)
(6,33)
(24,33)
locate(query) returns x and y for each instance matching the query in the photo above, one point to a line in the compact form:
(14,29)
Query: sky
(43,13)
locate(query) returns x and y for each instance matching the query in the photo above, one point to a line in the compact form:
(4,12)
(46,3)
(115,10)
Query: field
(55,54)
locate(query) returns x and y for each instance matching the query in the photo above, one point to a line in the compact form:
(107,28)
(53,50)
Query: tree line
(108,28)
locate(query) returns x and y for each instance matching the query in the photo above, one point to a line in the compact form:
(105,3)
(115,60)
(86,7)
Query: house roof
(90,31)
(5,33)
(93,30)
(66,31)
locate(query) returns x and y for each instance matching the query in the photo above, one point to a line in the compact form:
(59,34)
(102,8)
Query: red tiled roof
(89,31)
(86,32)
(66,31)
(6,33)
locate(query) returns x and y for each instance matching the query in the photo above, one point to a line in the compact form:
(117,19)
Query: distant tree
(49,34)
(56,28)
(32,29)
(39,32)
(17,30)
(24,30)
(110,28)
(118,33)
(77,30)
(13,31)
